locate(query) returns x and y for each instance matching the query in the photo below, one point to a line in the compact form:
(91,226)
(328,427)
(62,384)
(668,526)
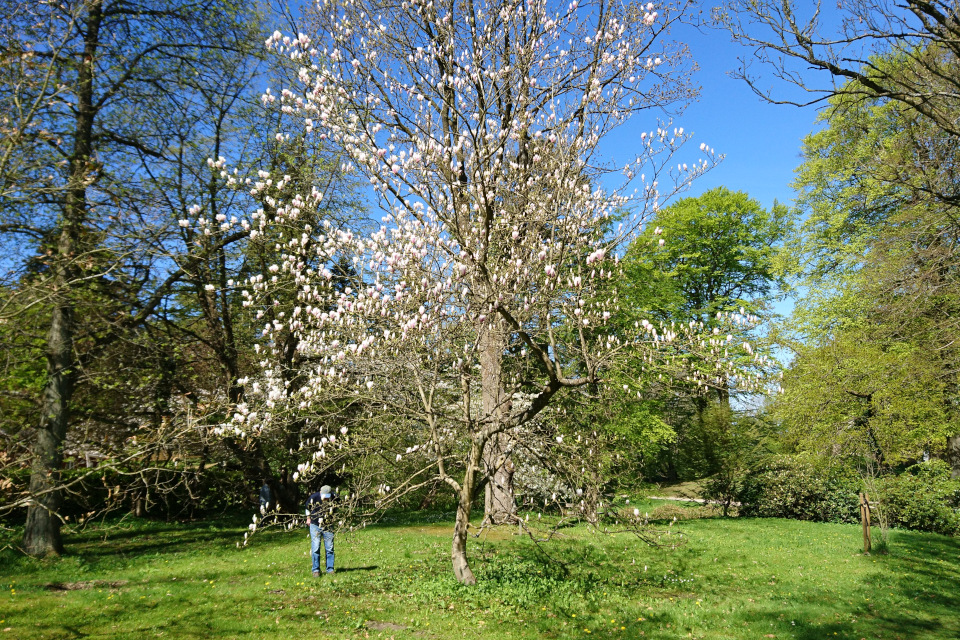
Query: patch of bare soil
(87,584)
(376,625)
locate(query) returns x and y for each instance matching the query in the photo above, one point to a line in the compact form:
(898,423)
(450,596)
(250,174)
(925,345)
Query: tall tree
(82,75)
(720,253)
(879,268)
(888,63)
(494,271)
(705,259)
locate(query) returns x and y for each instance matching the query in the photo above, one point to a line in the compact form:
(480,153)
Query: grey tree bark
(499,502)
(42,530)
(458,554)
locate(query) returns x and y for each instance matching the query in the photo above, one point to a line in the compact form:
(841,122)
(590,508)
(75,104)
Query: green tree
(889,154)
(79,78)
(705,259)
(719,255)
(858,394)
(876,329)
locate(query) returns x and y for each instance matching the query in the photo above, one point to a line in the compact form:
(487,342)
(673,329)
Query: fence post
(865,521)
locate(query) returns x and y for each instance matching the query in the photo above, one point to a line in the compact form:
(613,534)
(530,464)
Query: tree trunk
(461,566)
(953,455)
(499,503)
(42,530)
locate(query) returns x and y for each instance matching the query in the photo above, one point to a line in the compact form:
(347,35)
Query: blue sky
(761,141)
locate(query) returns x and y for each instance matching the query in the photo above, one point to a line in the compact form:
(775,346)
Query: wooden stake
(865,521)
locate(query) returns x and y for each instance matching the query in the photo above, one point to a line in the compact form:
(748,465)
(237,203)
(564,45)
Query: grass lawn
(731,579)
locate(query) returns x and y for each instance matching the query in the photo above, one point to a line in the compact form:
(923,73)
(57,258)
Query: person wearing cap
(320,516)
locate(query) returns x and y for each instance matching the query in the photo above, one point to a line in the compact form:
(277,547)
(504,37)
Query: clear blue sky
(761,141)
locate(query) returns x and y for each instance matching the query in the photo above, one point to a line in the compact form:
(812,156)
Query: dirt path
(698,500)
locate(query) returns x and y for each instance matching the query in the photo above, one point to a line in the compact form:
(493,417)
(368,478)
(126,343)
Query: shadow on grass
(398,518)
(913,593)
(372,567)
(100,544)
(140,543)
(581,581)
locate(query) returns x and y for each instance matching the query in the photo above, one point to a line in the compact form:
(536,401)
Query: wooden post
(865,521)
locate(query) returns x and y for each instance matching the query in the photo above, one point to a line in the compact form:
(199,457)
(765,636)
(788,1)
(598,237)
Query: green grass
(731,579)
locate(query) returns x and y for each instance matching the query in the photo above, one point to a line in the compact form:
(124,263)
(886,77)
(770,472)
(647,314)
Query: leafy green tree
(856,394)
(880,180)
(719,255)
(705,259)
(877,327)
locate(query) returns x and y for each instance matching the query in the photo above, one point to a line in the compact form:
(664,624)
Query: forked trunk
(461,566)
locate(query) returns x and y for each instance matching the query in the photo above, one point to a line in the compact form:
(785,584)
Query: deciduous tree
(490,287)
(77,80)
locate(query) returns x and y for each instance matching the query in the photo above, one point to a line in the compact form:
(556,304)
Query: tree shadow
(913,592)
(141,543)
(372,567)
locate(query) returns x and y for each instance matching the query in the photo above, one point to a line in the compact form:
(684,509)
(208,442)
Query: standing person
(320,512)
(266,497)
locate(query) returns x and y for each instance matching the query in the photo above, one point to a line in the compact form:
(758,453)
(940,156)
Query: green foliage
(924,498)
(720,253)
(636,433)
(800,488)
(736,443)
(861,395)
(875,332)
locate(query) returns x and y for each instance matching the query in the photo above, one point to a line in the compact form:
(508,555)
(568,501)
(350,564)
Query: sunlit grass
(731,579)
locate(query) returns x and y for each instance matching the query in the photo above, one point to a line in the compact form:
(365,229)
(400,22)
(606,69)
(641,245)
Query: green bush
(923,498)
(800,489)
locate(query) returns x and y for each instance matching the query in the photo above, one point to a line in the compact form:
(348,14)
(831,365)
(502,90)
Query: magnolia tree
(426,349)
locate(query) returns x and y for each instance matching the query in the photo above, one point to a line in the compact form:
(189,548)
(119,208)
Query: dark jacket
(322,512)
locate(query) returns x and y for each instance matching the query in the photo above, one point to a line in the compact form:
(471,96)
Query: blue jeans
(315,535)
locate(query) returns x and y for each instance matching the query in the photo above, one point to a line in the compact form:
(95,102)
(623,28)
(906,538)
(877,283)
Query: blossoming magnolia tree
(491,285)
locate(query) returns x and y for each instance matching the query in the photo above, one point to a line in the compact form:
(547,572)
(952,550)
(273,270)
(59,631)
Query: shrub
(923,498)
(800,489)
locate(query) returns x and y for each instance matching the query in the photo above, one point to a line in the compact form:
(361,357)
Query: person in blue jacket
(321,507)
